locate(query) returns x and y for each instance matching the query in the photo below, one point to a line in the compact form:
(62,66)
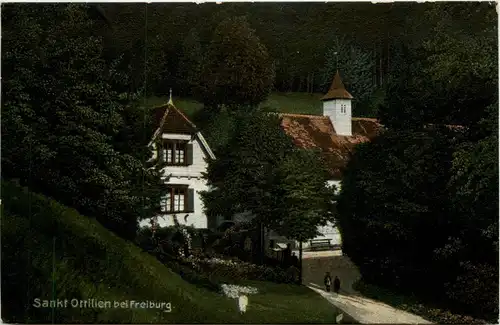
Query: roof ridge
(303,115)
(365,118)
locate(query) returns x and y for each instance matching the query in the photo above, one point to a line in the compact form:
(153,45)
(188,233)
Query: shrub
(238,270)
(476,286)
(193,275)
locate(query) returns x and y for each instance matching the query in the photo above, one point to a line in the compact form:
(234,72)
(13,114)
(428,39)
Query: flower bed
(234,291)
(239,270)
(204,270)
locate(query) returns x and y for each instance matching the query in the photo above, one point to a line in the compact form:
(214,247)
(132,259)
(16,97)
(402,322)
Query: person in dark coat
(287,254)
(295,260)
(328,281)
(336,285)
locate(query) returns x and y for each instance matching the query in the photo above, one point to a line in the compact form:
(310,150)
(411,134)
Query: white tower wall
(340,113)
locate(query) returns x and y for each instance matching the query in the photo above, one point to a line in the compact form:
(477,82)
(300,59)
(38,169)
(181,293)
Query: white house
(184,150)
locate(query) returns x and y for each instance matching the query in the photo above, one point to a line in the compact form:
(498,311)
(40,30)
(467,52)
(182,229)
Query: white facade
(340,113)
(197,218)
(190,176)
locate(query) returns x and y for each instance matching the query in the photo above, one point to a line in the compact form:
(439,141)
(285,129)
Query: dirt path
(368,311)
(353,304)
(315,266)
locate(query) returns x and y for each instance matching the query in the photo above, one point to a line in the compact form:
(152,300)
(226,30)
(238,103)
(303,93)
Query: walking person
(287,254)
(295,260)
(336,285)
(328,281)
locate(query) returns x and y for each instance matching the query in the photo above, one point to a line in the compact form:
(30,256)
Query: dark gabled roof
(171,120)
(315,131)
(337,90)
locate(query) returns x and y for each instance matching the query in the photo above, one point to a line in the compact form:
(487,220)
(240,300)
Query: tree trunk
(375,79)
(261,243)
(388,51)
(380,66)
(312,83)
(300,262)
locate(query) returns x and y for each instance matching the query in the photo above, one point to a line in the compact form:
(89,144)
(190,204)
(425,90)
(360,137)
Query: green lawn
(299,103)
(49,251)
(291,303)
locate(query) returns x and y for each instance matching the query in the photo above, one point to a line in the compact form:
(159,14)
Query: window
(179,198)
(343,108)
(177,153)
(168,153)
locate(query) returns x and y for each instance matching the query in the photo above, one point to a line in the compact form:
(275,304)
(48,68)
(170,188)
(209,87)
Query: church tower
(337,106)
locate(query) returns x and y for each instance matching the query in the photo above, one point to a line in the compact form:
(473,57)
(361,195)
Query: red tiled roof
(337,90)
(314,131)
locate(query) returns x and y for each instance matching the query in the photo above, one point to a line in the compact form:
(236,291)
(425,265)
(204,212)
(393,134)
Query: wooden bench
(318,244)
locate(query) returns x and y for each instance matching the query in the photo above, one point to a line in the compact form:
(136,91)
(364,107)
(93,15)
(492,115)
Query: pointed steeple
(170,101)
(337,90)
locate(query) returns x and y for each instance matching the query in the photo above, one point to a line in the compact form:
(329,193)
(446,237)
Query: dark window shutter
(190,200)
(160,153)
(189,154)
(159,150)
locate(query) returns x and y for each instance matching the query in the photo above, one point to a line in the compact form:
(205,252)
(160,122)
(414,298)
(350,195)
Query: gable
(169,120)
(174,120)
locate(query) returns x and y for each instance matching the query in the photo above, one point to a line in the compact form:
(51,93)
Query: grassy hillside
(300,103)
(49,251)
(297,103)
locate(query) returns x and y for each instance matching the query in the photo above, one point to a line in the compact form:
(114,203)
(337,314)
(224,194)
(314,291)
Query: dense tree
(408,102)
(461,61)
(240,174)
(452,77)
(392,207)
(306,201)
(258,168)
(237,70)
(435,188)
(190,64)
(296,35)
(62,116)
(470,255)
